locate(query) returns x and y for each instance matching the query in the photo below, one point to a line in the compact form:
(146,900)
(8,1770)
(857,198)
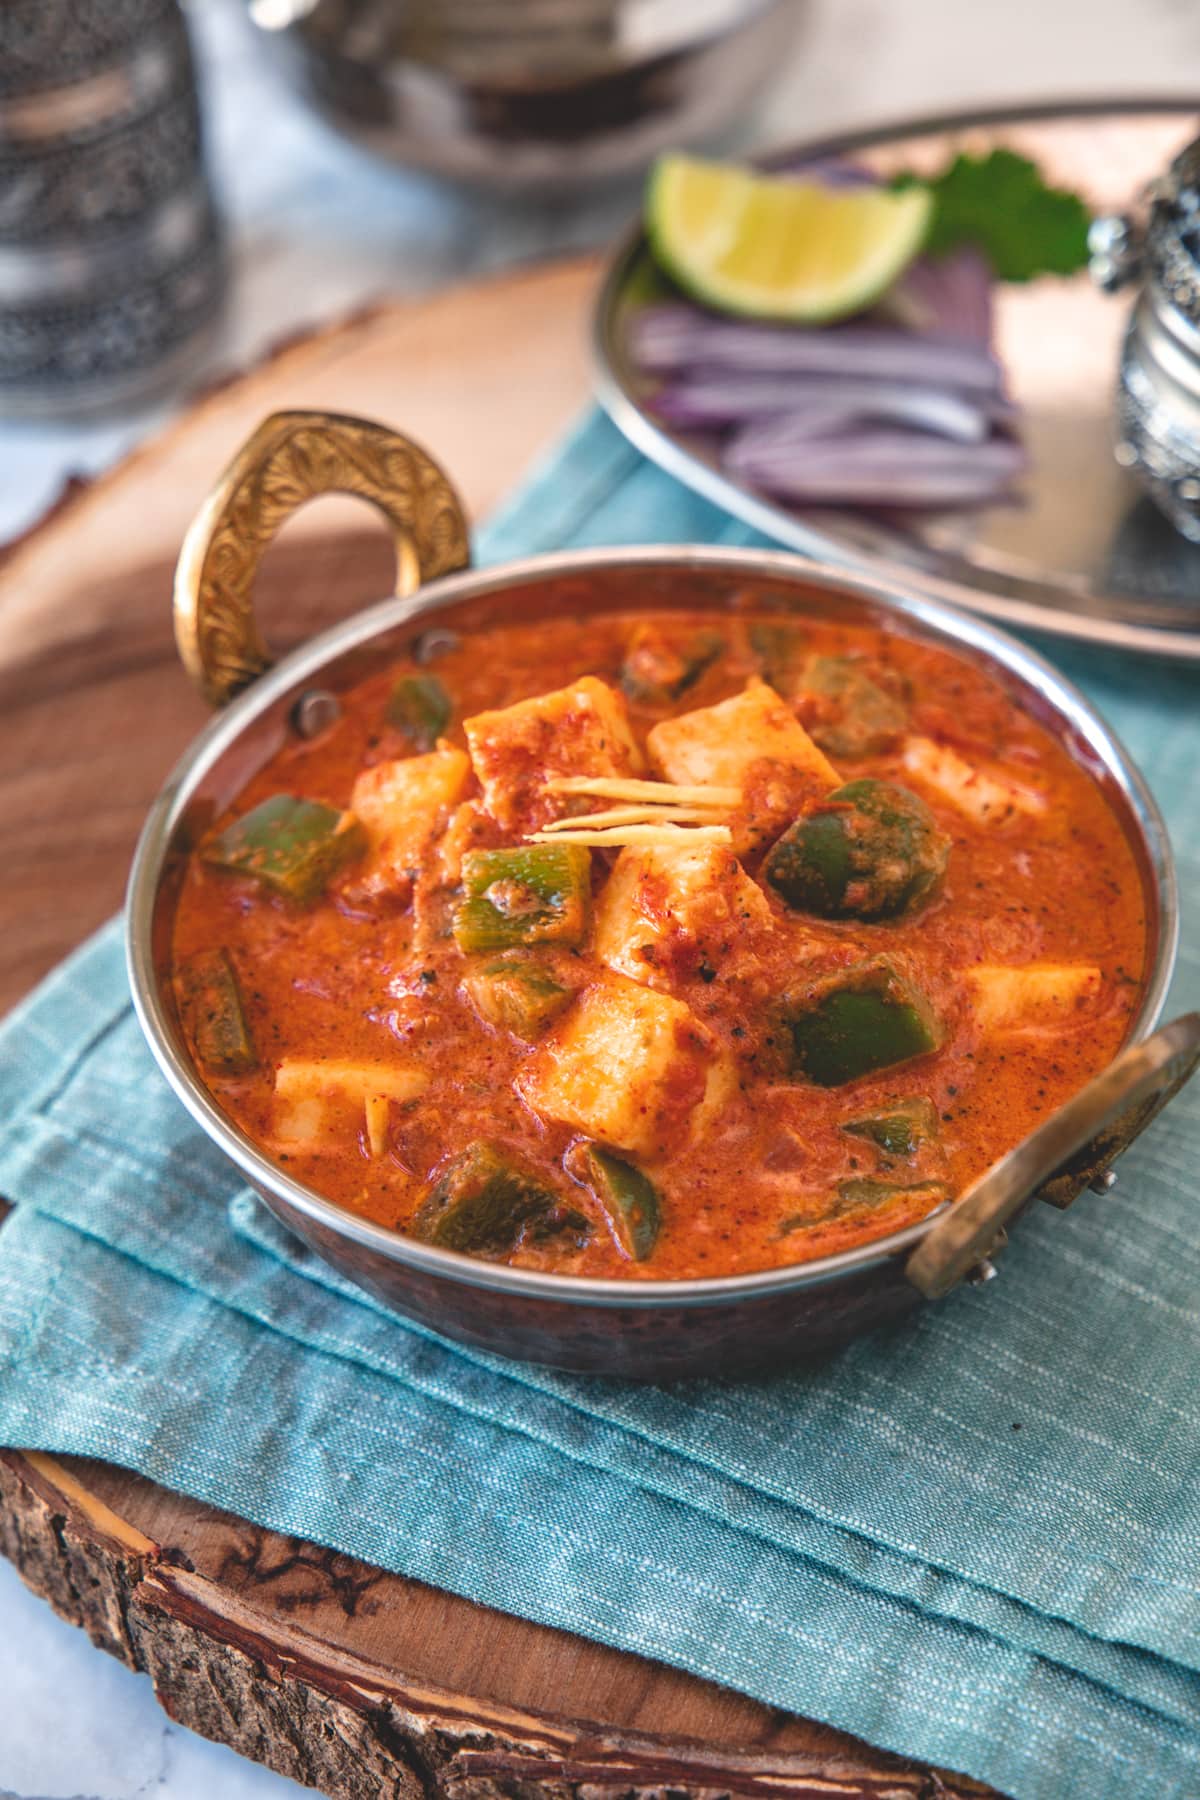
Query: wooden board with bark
(347,1678)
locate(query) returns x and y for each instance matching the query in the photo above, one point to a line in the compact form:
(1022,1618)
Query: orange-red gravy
(319,981)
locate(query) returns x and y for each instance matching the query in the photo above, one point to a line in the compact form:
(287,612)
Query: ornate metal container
(110,265)
(1158,388)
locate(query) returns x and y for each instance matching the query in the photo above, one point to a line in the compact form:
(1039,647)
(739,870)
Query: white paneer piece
(303,1085)
(630,1067)
(402,805)
(1040,994)
(666,910)
(716,745)
(578,730)
(754,742)
(988,796)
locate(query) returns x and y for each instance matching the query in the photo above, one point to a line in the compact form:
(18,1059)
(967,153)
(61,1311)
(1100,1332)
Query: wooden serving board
(347,1678)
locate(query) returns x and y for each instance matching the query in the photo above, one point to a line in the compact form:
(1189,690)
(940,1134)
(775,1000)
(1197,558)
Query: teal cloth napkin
(973,1539)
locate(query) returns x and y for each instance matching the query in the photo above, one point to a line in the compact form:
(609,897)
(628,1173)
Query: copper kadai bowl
(659,1329)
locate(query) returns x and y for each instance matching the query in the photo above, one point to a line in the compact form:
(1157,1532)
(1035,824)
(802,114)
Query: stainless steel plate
(1086,556)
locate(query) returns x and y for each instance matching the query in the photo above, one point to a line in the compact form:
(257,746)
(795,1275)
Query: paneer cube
(1041,994)
(303,1085)
(629,1067)
(402,806)
(666,913)
(303,1077)
(988,796)
(753,742)
(578,730)
(717,744)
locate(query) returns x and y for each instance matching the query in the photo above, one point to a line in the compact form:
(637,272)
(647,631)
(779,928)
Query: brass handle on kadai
(292,458)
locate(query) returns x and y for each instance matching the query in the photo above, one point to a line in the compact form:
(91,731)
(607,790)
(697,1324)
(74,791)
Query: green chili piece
(292,846)
(852,714)
(657,671)
(481,1202)
(516,995)
(213,1013)
(870,850)
(901,1129)
(537,894)
(420,710)
(627,1198)
(866,1017)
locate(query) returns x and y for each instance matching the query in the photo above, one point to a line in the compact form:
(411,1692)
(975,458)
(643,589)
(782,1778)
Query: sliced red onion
(825,420)
(950,295)
(878,467)
(681,337)
(721,398)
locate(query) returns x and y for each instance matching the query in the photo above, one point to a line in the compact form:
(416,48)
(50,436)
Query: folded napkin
(973,1539)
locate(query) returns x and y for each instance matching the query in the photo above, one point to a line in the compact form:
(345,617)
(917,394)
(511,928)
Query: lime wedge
(773,247)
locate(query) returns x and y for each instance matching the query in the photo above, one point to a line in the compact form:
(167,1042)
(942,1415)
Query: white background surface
(317,229)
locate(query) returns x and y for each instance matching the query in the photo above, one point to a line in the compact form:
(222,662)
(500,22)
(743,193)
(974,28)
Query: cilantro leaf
(1001,204)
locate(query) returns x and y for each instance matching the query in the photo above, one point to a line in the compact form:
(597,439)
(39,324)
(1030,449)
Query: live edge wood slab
(344,1677)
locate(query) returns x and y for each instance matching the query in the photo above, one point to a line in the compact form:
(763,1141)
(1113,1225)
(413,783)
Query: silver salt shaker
(1158,389)
(111,270)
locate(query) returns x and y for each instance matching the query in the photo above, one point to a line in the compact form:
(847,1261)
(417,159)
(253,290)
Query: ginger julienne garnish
(648,832)
(633,815)
(657,812)
(669,793)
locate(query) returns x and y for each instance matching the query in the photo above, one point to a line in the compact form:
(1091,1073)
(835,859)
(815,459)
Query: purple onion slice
(877,467)
(669,337)
(948,295)
(720,398)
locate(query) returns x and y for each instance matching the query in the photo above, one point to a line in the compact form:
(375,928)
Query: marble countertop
(317,229)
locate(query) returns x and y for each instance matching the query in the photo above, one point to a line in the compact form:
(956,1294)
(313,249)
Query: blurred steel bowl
(529,93)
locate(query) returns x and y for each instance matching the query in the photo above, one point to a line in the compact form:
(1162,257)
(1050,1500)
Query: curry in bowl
(659,945)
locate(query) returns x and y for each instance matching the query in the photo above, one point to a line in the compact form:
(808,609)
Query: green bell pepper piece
(855,716)
(294,847)
(213,1013)
(656,671)
(864,1018)
(516,995)
(779,649)
(627,1198)
(869,850)
(481,1202)
(420,709)
(863,1194)
(561,1228)
(536,894)
(900,1130)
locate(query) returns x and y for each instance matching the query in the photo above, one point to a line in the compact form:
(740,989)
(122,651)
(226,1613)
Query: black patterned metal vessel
(111,269)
